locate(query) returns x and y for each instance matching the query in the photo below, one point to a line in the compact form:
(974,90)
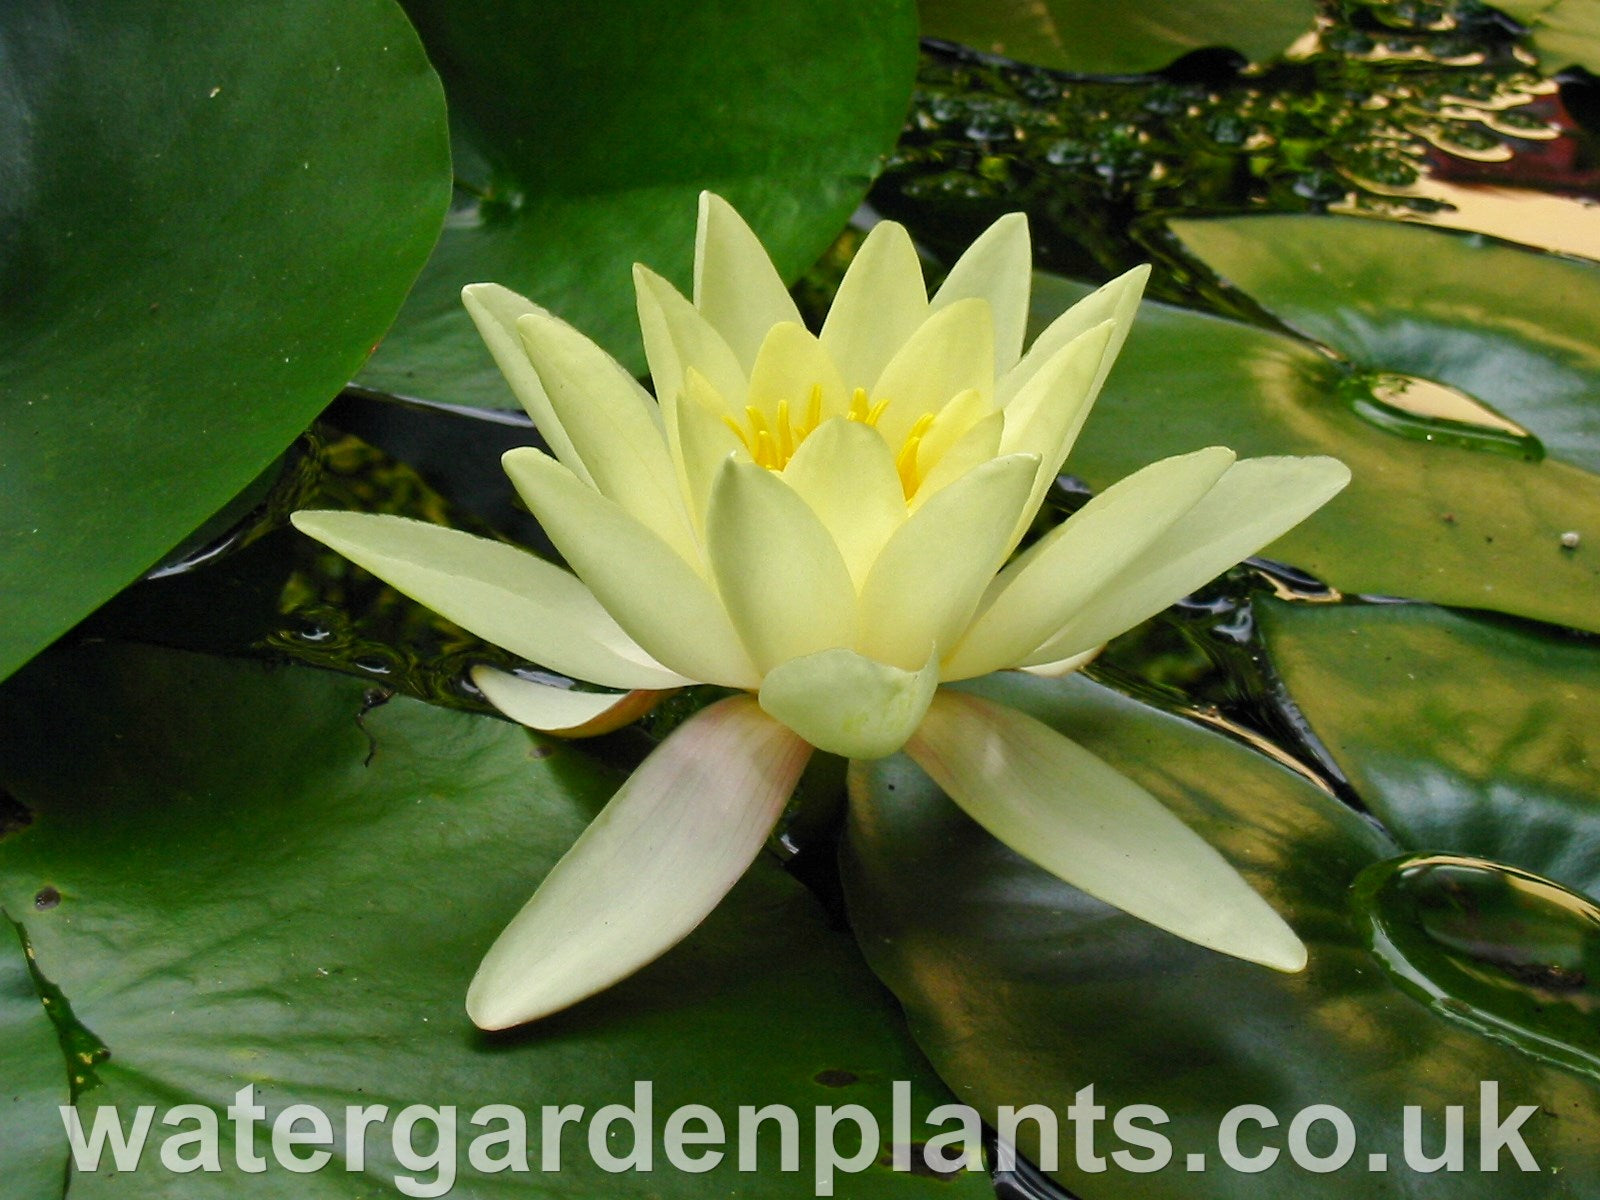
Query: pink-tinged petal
(1059,806)
(655,862)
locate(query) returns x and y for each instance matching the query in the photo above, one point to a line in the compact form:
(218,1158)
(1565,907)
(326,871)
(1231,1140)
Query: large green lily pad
(1426,520)
(260,885)
(1463,734)
(1509,326)
(208,215)
(584,133)
(1023,990)
(1113,39)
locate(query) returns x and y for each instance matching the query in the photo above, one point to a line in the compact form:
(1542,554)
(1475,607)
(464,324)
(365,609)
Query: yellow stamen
(906,461)
(858,406)
(766,453)
(740,433)
(772,443)
(785,431)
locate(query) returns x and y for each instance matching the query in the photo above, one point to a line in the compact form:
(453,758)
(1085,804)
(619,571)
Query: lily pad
(1507,325)
(1113,39)
(32,1157)
(1563,32)
(1427,520)
(1024,991)
(1463,734)
(208,215)
(583,134)
(262,886)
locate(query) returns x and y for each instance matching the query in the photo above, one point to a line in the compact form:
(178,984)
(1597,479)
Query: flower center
(772,441)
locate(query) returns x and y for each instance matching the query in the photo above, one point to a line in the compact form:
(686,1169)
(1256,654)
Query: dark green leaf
(585,133)
(1112,39)
(1428,520)
(261,886)
(1507,325)
(1023,990)
(208,215)
(1462,734)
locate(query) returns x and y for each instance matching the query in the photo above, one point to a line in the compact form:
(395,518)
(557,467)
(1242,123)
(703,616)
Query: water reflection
(1506,952)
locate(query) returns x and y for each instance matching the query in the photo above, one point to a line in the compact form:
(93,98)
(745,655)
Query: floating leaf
(1428,520)
(260,885)
(1102,39)
(1024,991)
(208,215)
(584,133)
(1509,326)
(1463,734)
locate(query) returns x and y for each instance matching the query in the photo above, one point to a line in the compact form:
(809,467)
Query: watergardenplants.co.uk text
(421,1147)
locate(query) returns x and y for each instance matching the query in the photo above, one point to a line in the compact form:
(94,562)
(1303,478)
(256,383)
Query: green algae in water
(1506,952)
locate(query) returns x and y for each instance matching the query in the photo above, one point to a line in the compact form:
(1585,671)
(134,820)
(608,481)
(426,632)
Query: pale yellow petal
(998,267)
(700,440)
(881,302)
(615,425)
(1047,414)
(1041,591)
(1255,501)
(655,862)
(950,424)
(504,595)
(495,311)
(849,705)
(785,584)
(661,600)
(1117,301)
(846,473)
(677,337)
(736,287)
(950,353)
(1059,806)
(1061,667)
(978,445)
(562,711)
(929,578)
(790,364)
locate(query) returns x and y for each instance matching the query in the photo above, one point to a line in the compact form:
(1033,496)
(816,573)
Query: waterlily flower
(824,522)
